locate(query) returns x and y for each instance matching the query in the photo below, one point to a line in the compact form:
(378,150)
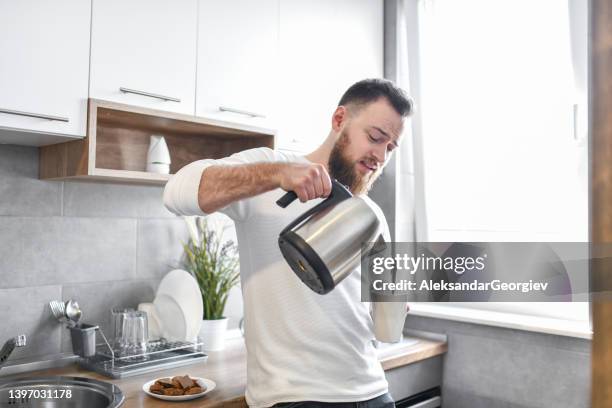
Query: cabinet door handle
(241,112)
(149,94)
(34,115)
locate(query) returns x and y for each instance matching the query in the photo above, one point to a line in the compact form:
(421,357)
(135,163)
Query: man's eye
(372,138)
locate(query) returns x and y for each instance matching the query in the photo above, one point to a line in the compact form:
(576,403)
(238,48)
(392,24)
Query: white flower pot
(212,334)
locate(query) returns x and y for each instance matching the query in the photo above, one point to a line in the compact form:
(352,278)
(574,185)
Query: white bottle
(158,156)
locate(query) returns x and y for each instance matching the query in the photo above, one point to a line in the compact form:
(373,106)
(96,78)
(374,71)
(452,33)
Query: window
(501,94)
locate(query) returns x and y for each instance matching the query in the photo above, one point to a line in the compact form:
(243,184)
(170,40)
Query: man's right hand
(308,181)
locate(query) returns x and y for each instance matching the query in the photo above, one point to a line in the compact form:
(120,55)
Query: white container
(158,155)
(158,168)
(212,334)
(389,319)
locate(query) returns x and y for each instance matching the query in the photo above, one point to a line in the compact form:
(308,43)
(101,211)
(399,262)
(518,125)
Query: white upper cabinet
(44,56)
(143,53)
(325,46)
(238,61)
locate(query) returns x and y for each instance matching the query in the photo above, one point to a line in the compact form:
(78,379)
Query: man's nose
(380,153)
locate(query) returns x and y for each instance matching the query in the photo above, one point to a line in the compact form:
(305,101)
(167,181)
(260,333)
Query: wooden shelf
(117,141)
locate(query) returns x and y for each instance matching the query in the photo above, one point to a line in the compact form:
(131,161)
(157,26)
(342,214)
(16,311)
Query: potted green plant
(214,264)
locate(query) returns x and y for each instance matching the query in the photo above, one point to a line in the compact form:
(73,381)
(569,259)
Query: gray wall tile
(97,199)
(66,249)
(21,192)
(160,246)
(96,300)
(11,250)
(55,250)
(520,373)
(497,367)
(26,311)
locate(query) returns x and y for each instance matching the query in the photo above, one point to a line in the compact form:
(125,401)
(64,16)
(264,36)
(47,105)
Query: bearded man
(303,349)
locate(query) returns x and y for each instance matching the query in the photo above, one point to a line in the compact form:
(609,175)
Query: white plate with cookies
(178,388)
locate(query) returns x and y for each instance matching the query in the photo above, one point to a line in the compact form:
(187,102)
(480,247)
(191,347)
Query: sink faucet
(9,346)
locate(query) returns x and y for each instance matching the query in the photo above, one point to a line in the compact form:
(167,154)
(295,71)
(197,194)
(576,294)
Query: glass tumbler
(117,317)
(135,333)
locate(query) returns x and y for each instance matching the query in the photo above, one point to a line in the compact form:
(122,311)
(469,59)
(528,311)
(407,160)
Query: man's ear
(339,118)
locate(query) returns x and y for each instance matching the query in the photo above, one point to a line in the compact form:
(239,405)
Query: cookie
(156,388)
(176,383)
(194,390)
(164,382)
(173,391)
(186,382)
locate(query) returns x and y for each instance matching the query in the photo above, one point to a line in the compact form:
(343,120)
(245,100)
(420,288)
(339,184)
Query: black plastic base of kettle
(306,263)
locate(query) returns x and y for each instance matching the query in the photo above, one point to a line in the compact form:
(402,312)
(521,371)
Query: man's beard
(344,170)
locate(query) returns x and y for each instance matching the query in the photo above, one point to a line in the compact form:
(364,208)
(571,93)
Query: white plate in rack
(171,317)
(183,289)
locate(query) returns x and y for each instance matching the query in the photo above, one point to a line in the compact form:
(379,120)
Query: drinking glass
(135,333)
(117,317)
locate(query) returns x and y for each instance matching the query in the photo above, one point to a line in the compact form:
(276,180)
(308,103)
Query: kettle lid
(305,262)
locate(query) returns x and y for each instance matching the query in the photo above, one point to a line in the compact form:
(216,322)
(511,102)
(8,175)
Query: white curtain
(409,202)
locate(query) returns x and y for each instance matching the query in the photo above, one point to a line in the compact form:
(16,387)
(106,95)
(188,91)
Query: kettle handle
(287,199)
(338,193)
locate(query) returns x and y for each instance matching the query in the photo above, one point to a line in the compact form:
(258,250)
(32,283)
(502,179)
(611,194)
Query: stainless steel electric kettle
(323,245)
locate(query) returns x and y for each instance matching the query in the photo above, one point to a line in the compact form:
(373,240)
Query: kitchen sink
(52,392)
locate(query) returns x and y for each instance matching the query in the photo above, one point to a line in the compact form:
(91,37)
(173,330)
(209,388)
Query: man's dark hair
(370,90)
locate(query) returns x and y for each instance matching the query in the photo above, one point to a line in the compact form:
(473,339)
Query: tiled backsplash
(102,244)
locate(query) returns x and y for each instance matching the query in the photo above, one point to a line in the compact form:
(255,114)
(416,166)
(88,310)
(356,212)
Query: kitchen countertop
(228,369)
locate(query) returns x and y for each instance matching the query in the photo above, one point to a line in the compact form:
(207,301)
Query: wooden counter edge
(423,350)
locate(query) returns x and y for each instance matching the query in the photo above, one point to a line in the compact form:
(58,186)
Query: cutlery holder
(83,338)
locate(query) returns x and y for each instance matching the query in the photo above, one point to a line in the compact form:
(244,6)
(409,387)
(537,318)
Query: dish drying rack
(161,354)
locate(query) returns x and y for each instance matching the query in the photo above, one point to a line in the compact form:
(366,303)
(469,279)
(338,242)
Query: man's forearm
(222,185)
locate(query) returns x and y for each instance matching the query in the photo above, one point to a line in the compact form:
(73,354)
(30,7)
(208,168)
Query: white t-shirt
(300,345)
